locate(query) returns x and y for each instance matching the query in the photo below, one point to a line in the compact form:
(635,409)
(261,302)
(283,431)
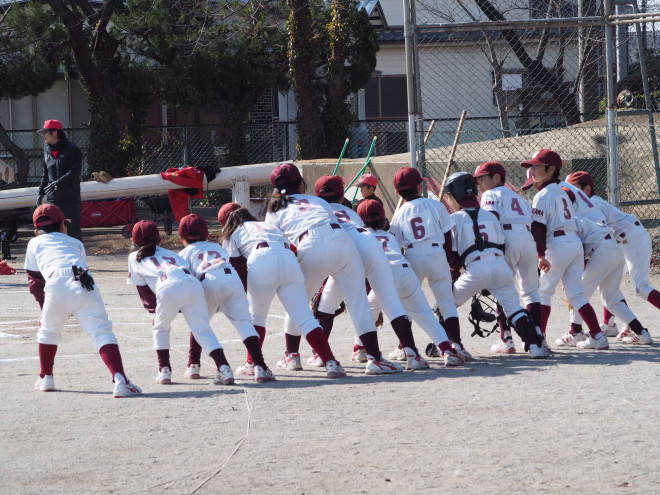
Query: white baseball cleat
(598,343)
(570,339)
(359,354)
(245,369)
(381,367)
(334,369)
(290,362)
(45,384)
(125,388)
(225,376)
(164,376)
(462,352)
(643,338)
(414,361)
(503,346)
(538,352)
(192,372)
(626,332)
(609,330)
(451,358)
(398,354)
(315,360)
(263,375)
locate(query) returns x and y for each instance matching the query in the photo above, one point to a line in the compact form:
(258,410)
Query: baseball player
(558,245)
(407,284)
(478,242)
(367,186)
(167,287)
(377,270)
(635,243)
(422,226)
(515,216)
(272,269)
(56,266)
(324,249)
(209,262)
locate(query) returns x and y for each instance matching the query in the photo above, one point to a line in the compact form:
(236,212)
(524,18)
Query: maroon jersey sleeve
(36,285)
(240,265)
(539,231)
(447,246)
(148,298)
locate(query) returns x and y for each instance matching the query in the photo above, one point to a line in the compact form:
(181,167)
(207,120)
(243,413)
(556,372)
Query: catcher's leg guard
(525,328)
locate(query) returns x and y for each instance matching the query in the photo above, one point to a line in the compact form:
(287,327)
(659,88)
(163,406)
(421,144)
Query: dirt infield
(579,421)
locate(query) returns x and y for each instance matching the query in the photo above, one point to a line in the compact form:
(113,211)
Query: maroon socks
(46,358)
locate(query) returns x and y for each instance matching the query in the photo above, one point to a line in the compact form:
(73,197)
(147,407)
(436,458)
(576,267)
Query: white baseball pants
(566,259)
(520,255)
(637,251)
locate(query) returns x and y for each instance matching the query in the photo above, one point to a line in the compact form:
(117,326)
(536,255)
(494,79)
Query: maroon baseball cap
(544,157)
(284,173)
(488,168)
(145,232)
(580,176)
(407,178)
(371,209)
(368,180)
(193,227)
(329,185)
(530,181)
(48,214)
(224,212)
(51,125)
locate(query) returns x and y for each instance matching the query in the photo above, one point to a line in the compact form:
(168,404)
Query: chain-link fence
(532,74)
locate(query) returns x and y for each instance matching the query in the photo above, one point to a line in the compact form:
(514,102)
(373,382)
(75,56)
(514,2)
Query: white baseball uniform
(603,270)
(271,269)
(376,267)
(485,269)
(176,289)
(53,255)
(420,226)
(209,262)
(324,249)
(553,208)
(515,216)
(635,242)
(409,289)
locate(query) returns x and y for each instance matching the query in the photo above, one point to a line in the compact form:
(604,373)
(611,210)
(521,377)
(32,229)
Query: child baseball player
(558,245)
(478,242)
(209,262)
(272,269)
(166,287)
(56,266)
(407,284)
(324,249)
(635,243)
(378,273)
(422,226)
(367,186)
(515,216)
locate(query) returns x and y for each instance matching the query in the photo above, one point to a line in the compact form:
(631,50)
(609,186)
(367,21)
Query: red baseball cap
(407,178)
(145,232)
(224,212)
(581,176)
(530,181)
(371,209)
(193,227)
(368,180)
(48,214)
(488,168)
(284,173)
(51,125)
(329,185)
(544,157)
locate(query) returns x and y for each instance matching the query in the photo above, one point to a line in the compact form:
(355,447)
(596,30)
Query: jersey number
(212,258)
(303,205)
(167,259)
(584,198)
(342,216)
(515,206)
(567,211)
(383,241)
(418,230)
(482,231)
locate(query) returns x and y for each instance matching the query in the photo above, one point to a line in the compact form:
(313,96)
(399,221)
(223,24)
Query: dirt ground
(577,422)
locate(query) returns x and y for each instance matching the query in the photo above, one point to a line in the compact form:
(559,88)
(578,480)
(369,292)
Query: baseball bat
(343,150)
(366,164)
(453,150)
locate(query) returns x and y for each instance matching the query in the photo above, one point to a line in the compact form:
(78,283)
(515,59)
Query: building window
(386,98)
(512,84)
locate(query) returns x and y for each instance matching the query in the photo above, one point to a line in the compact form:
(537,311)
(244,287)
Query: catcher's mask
(483,309)
(460,185)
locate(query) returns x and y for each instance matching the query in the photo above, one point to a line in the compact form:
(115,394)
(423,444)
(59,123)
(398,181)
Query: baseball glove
(101,176)
(316,299)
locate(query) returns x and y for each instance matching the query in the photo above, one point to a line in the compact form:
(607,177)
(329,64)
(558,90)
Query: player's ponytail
(234,220)
(280,197)
(146,251)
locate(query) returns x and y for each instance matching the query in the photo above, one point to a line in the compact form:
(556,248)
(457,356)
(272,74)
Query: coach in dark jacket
(60,182)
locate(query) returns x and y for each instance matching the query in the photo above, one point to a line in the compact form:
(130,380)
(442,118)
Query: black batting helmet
(460,185)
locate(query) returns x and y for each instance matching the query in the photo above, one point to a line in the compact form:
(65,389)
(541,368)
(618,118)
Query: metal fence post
(240,193)
(409,33)
(610,112)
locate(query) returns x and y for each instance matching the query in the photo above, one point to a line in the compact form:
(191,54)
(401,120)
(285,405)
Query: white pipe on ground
(145,185)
